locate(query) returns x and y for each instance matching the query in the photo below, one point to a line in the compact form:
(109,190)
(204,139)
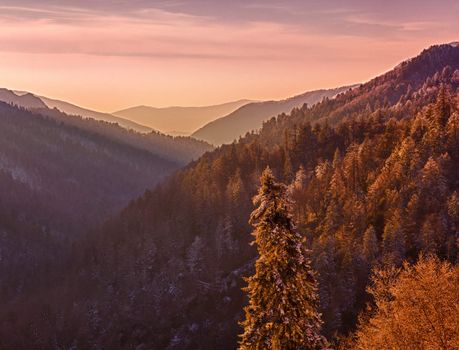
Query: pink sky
(109,57)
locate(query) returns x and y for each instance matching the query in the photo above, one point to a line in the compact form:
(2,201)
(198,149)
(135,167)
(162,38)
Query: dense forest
(82,158)
(372,175)
(61,178)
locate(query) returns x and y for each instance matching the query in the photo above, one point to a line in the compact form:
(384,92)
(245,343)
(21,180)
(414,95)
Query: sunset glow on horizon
(109,56)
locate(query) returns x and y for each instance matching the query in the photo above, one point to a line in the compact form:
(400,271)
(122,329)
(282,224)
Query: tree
(225,243)
(235,189)
(194,255)
(414,308)
(433,184)
(442,106)
(296,193)
(452,130)
(283,301)
(394,240)
(370,244)
(433,234)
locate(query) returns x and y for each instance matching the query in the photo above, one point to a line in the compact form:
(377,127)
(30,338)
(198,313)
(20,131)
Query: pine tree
(442,107)
(452,130)
(282,311)
(296,193)
(394,240)
(370,244)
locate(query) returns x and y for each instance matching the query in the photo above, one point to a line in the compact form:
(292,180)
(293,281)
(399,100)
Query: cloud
(150,34)
(206,49)
(369,21)
(332,15)
(172,30)
(202,29)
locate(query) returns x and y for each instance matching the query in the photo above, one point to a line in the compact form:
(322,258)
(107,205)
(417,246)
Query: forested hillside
(178,149)
(58,180)
(250,117)
(97,174)
(373,175)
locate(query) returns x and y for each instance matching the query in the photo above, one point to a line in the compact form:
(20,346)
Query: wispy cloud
(207,50)
(391,25)
(151,33)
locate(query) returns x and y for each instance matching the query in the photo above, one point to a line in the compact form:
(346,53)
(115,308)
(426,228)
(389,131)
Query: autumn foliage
(415,307)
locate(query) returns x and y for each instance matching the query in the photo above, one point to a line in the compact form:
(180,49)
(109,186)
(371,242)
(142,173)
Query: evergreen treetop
(282,311)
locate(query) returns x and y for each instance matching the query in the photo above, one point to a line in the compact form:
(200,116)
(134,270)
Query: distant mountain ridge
(251,116)
(29,100)
(177,149)
(25,100)
(70,108)
(176,119)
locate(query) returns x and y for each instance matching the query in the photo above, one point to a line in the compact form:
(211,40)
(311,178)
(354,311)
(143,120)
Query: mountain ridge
(179,149)
(166,119)
(73,109)
(251,116)
(26,100)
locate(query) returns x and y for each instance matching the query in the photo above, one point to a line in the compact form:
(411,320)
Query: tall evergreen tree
(282,311)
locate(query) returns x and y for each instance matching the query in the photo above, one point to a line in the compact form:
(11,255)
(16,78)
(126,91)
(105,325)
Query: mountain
(177,149)
(29,100)
(25,100)
(372,174)
(69,108)
(57,182)
(250,117)
(60,177)
(178,120)
(51,158)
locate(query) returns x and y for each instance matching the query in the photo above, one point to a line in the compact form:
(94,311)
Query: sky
(109,55)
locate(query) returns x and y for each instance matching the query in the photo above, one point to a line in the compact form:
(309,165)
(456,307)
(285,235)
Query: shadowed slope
(250,117)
